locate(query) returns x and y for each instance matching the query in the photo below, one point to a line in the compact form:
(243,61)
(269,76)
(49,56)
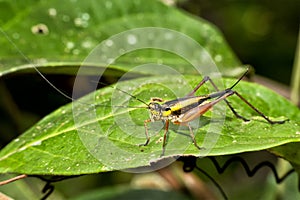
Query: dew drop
(37,143)
(131,39)
(218,58)
(66,18)
(52,12)
(85,16)
(82,21)
(78,21)
(22,148)
(70,45)
(76,51)
(153,155)
(109,43)
(86,44)
(40,29)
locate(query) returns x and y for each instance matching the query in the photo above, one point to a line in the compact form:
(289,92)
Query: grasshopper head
(155,111)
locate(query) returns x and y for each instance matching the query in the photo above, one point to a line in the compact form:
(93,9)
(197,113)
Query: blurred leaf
(295,82)
(67,31)
(290,152)
(127,193)
(101,131)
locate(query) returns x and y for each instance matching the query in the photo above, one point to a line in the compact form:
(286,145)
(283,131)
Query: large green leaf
(77,27)
(101,131)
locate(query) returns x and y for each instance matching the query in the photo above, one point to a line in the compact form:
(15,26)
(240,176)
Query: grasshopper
(182,111)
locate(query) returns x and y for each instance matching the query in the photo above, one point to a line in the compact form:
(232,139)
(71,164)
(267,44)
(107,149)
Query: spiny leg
(257,111)
(234,112)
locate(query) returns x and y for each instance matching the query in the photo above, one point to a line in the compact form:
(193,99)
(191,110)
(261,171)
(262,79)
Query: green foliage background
(76,28)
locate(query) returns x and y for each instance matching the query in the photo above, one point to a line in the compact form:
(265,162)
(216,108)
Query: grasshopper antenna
(43,76)
(138,99)
(239,79)
(34,67)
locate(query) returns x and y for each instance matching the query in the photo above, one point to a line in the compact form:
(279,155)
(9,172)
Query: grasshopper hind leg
(205,79)
(259,112)
(237,115)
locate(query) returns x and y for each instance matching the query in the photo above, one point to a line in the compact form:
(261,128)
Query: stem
(13,179)
(295,84)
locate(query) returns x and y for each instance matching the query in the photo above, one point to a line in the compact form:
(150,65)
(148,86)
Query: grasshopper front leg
(165,137)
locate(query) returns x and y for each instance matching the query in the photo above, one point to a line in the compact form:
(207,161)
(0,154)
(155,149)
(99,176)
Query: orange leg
(165,137)
(204,80)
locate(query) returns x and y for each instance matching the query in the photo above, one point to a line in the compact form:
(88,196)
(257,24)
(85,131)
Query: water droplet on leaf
(131,39)
(40,29)
(52,12)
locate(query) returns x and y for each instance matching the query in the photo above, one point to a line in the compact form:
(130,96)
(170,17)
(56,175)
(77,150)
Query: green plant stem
(295,84)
